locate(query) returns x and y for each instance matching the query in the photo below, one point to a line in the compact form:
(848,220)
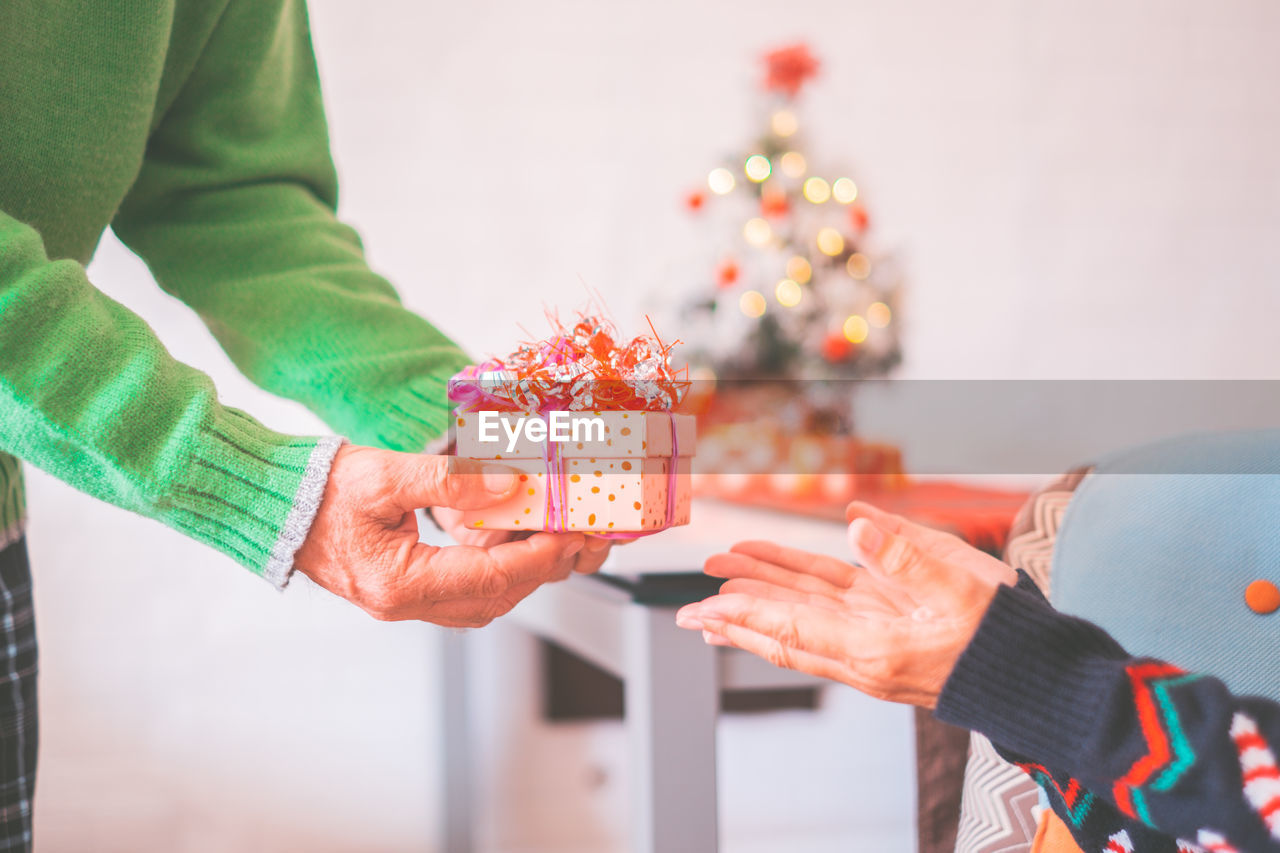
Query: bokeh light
(798,269)
(817,190)
(858,265)
(789,293)
(758,167)
(878,314)
(757,232)
(844,190)
(793,164)
(752,303)
(855,329)
(784,123)
(720,181)
(830,242)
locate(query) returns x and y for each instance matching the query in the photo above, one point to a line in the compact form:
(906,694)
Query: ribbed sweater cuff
(417,413)
(250,492)
(1032,679)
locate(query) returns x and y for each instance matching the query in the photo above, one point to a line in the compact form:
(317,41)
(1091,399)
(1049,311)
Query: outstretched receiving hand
(892,626)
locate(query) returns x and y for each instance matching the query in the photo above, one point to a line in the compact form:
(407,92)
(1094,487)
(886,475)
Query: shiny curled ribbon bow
(578,369)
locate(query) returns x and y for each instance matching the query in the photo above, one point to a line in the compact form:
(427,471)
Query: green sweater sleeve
(234,212)
(90,395)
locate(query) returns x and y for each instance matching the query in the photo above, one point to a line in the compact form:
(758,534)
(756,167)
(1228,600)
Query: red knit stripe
(1270,809)
(1268,771)
(1252,740)
(1069,796)
(1157,741)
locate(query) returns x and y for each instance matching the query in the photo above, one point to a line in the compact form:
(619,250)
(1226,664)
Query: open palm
(892,624)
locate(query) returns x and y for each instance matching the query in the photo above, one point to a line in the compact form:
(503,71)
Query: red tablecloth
(981,516)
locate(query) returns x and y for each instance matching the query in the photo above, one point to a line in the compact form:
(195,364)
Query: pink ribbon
(557,509)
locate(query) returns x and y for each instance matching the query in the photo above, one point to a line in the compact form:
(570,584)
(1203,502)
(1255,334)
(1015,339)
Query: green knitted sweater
(195,130)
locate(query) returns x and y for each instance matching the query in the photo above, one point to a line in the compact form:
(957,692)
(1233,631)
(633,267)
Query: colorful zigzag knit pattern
(1134,755)
(1168,753)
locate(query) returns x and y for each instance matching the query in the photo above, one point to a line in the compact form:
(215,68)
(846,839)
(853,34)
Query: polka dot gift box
(630,475)
(592,428)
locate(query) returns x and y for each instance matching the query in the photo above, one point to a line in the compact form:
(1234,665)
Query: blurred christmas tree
(795,289)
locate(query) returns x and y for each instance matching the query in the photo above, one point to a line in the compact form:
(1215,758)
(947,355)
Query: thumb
(886,554)
(936,586)
(449,481)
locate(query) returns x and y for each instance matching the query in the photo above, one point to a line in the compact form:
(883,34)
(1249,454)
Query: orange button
(1262,597)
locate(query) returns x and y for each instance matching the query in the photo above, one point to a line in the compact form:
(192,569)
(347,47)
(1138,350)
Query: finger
(881,552)
(760,589)
(520,592)
(866,602)
(888,598)
(481,538)
(450,521)
(933,586)
(799,627)
(742,566)
(827,568)
(542,558)
(767,647)
(463,571)
(922,535)
(687,617)
(592,556)
(477,612)
(869,682)
(713,639)
(419,480)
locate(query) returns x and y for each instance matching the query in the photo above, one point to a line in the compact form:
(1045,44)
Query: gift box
(591,425)
(628,473)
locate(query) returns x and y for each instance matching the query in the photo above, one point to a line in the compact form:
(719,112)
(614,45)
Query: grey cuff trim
(13,533)
(306,501)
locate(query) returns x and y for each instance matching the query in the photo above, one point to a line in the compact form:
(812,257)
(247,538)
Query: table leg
(672,700)
(455,742)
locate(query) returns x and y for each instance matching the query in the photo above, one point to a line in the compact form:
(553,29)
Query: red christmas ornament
(836,347)
(774,204)
(787,69)
(727,273)
(694,201)
(858,217)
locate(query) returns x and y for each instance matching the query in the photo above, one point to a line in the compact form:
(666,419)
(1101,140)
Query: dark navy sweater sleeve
(1131,737)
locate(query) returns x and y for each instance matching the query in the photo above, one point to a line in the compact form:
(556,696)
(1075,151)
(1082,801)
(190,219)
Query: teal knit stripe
(1184,755)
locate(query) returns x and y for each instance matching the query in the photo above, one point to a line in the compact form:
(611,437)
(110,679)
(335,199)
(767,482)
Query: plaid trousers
(18,720)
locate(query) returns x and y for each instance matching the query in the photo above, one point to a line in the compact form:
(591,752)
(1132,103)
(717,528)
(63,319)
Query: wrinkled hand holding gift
(592,427)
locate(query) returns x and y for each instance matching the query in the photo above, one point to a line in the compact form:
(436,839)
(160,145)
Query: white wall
(1083,189)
